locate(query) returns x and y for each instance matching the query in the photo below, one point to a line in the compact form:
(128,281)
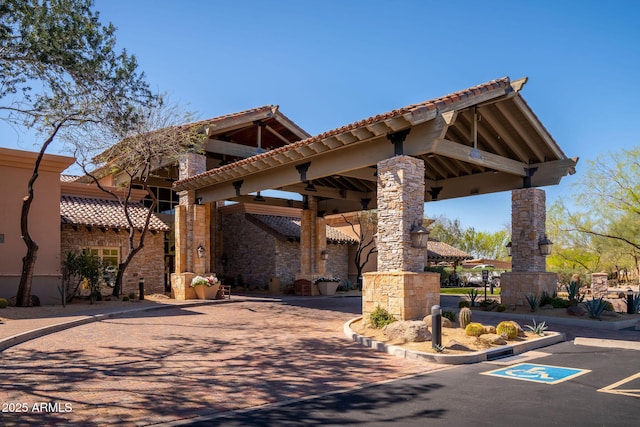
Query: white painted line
(598,342)
(613,388)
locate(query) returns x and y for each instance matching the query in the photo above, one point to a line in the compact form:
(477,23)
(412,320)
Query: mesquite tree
(364,225)
(59,71)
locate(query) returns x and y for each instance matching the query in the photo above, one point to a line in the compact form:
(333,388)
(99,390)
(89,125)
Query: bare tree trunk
(23,297)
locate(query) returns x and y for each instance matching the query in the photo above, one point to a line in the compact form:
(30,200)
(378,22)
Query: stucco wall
(147,264)
(16,168)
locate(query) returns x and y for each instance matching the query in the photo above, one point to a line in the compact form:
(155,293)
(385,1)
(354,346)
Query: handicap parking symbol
(537,373)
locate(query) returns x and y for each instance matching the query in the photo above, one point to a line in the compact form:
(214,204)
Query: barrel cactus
(507,329)
(474,329)
(464,317)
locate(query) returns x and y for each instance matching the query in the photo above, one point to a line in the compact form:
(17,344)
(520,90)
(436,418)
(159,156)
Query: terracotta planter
(207,292)
(327,288)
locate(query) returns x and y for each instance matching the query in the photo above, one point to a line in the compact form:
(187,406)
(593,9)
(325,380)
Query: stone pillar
(528,226)
(599,285)
(400,207)
(320,245)
(192,228)
(400,285)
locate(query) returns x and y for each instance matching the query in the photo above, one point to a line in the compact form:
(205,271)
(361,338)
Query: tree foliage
(60,71)
(479,244)
(157,141)
(603,231)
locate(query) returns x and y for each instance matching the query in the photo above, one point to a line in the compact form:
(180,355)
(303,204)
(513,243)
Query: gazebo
(480,140)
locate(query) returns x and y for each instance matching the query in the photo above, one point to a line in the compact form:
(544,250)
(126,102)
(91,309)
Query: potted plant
(206,287)
(327,285)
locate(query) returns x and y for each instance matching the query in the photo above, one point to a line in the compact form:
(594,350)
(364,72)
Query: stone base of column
(405,295)
(180,286)
(514,286)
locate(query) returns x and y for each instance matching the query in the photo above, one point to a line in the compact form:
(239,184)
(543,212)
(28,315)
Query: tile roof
(285,227)
(104,213)
(68,178)
(444,252)
(434,104)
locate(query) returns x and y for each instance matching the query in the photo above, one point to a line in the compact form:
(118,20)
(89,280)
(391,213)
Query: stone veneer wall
(528,225)
(599,285)
(515,286)
(250,250)
(288,261)
(147,264)
(400,206)
(405,295)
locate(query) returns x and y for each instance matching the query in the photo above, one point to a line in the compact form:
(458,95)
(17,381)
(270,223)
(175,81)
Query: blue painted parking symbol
(537,373)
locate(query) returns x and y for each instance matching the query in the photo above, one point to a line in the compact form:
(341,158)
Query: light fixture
(259,198)
(419,236)
(201,251)
(509,246)
(545,245)
(310,187)
(324,255)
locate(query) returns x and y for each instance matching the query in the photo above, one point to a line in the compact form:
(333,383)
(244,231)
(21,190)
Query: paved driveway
(175,363)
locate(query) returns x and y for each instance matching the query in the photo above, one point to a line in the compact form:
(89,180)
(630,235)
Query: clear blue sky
(329,63)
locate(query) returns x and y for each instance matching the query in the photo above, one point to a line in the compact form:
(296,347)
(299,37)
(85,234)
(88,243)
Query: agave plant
(537,328)
(533,302)
(635,303)
(473,296)
(596,307)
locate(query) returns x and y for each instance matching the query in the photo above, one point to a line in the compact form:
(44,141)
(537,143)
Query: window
(111,257)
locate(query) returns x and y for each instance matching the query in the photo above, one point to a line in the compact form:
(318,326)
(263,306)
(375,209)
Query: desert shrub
(125,298)
(474,329)
(488,304)
(443,271)
(546,299)
(508,329)
(501,307)
(3,303)
(609,306)
(132,295)
(463,303)
(558,302)
(449,315)
(380,317)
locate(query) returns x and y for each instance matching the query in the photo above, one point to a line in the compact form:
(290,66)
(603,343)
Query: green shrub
(508,329)
(3,303)
(609,306)
(125,298)
(449,315)
(558,302)
(501,308)
(380,317)
(132,295)
(463,303)
(474,329)
(546,299)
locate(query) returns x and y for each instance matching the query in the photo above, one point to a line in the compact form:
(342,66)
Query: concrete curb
(600,342)
(23,337)
(455,359)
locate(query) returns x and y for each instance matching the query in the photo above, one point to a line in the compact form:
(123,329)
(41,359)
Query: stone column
(528,226)
(192,229)
(400,285)
(320,245)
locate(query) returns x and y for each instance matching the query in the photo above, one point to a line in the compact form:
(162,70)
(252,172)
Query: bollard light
(436,327)
(629,301)
(141,289)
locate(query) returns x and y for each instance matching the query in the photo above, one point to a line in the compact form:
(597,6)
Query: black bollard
(141,289)
(629,301)
(436,327)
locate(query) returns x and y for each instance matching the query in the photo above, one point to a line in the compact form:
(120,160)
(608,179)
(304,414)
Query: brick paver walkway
(163,365)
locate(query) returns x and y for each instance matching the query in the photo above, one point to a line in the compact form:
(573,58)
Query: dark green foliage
(444,272)
(546,299)
(463,303)
(532,300)
(83,266)
(488,304)
(609,306)
(558,302)
(3,303)
(132,295)
(635,303)
(449,315)
(472,294)
(596,307)
(125,298)
(380,317)
(574,293)
(501,308)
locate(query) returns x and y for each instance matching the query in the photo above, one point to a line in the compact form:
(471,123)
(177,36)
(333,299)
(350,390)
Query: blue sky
(329,63)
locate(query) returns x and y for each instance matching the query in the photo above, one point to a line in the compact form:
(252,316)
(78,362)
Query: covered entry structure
(480,140)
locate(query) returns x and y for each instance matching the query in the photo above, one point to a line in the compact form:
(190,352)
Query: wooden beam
(244,120)
(526,137)
(505,135)
(231,148)
(488,160)
(542,131)
(328,192)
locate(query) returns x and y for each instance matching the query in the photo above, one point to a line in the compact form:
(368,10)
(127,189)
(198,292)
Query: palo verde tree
(59,71)
(159,138)
(364,225)
(607,201)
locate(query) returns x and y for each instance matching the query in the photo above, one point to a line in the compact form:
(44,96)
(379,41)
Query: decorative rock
(407,331)
(455,345)
(489,329)
(494,339)
(520,330)
(576,311)
(446,323)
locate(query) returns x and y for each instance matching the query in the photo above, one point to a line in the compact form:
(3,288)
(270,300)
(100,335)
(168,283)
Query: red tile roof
(289,228)
(104,213)
(427,105)
(444,252)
